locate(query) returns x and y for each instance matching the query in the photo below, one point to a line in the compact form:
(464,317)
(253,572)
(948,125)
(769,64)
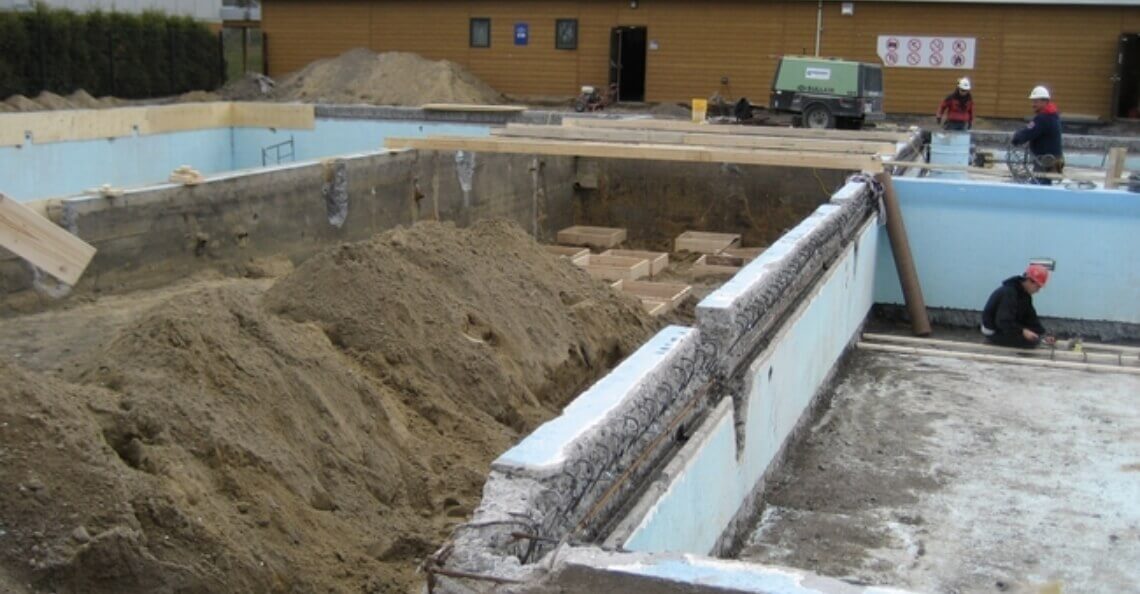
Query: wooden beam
(612,150)
(680,126)
(1115,166)
(43,243)
(890,348)
(1042,352)
(695,139)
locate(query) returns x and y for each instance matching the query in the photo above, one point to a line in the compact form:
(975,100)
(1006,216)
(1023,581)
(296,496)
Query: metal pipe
(818,27)
(904,262)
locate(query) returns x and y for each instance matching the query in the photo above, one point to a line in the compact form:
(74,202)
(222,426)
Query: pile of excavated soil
(47,101)
(321,435)
(390,78)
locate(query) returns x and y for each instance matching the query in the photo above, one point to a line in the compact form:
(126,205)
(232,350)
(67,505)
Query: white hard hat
(1039,92)
(964,84)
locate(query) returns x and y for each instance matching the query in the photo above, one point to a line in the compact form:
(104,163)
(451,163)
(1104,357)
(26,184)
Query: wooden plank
(704,242)
(612,150)
(473,107)
(43,243)
(599,237)
(615,267)
(572,253)
(658,261)
(672,294)
(713,264)
(694,139)
(1041,352)
(654,307)
(912,350)
(1115,166)
(683,126)
(747,254)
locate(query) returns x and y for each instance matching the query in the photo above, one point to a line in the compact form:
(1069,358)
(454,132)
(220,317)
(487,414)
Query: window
(480,32)
(566,34)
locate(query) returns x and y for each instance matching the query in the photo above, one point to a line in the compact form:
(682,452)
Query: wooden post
(1114,168)
(904,262)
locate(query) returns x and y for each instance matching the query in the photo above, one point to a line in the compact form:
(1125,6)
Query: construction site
(306,343)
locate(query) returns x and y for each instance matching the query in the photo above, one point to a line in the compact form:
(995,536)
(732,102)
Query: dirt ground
(316,432)
(949,476)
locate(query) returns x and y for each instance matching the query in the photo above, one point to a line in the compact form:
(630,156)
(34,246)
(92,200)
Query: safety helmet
(964,84)
(1039,92)
(1038,274)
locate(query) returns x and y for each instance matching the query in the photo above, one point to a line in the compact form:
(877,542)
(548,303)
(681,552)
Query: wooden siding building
(688,46)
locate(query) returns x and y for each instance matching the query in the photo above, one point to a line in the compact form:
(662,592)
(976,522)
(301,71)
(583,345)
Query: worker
(957,110)
(1043,135)
(1009,318)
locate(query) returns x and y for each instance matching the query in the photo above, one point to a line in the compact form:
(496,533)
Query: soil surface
(390,78)
(950,476)
(317,432)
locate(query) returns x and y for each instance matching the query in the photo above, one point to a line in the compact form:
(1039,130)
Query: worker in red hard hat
(1009,318)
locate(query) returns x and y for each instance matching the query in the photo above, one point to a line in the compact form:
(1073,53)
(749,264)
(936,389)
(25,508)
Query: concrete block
(614,267)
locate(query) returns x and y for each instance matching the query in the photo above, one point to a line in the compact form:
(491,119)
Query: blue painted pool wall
(701,501)
(35,171)
(966,237)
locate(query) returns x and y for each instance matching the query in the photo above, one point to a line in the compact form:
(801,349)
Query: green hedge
(125,55)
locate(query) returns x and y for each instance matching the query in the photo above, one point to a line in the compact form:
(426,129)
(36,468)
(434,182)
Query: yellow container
(700,110)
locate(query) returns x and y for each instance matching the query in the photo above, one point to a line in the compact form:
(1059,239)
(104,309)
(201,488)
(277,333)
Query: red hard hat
(1038,274)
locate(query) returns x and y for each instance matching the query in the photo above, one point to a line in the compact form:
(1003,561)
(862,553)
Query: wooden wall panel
(1071,48)
(301,31)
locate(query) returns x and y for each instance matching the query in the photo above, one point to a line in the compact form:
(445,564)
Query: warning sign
(927,52)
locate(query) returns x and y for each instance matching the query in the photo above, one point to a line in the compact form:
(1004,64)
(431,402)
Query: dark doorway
(627,62)
(1126,94)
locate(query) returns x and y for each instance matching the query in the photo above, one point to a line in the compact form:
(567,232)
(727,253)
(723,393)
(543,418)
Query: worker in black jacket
(1009,318)
(1043,135)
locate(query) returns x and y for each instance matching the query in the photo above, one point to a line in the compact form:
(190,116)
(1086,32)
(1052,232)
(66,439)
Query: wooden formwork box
(572,253)
(598,237)
(718,264)
(658,261)
(614,268)
(704,242)
(748,254)
(670,295)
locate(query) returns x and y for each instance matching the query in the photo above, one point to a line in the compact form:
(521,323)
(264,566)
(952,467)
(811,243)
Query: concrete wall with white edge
(782,382)
(966,237)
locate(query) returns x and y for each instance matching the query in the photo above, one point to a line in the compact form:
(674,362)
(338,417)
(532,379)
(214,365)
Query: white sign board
(909,51)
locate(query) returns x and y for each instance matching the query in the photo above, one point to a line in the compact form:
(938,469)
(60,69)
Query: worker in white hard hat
(1043,135)
(957,110)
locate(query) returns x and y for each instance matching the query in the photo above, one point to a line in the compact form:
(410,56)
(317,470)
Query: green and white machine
(828,92)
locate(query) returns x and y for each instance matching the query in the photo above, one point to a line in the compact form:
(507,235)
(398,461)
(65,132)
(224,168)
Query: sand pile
(47,101)
(320,437)
(391,78)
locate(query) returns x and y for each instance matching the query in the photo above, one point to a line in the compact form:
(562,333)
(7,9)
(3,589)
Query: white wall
(203,10)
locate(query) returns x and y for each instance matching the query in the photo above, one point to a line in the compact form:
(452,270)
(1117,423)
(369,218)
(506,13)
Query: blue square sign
(522,33)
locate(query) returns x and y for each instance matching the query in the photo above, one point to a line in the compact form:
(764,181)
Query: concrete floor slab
(943,475)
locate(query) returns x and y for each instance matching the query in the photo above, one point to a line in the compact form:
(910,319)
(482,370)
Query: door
(1126,87)
(627,62)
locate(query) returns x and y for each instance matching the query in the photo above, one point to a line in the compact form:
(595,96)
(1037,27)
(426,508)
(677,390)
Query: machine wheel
(579,106)
(818,116)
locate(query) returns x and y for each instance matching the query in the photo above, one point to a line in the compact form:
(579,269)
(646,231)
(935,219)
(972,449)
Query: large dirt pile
(390,78)
(321,437)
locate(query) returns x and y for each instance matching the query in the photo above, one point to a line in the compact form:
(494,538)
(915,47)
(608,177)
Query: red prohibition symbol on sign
(936,45)
(913,58)
(914,44)
(960,46)
(935,59)
(892,58)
